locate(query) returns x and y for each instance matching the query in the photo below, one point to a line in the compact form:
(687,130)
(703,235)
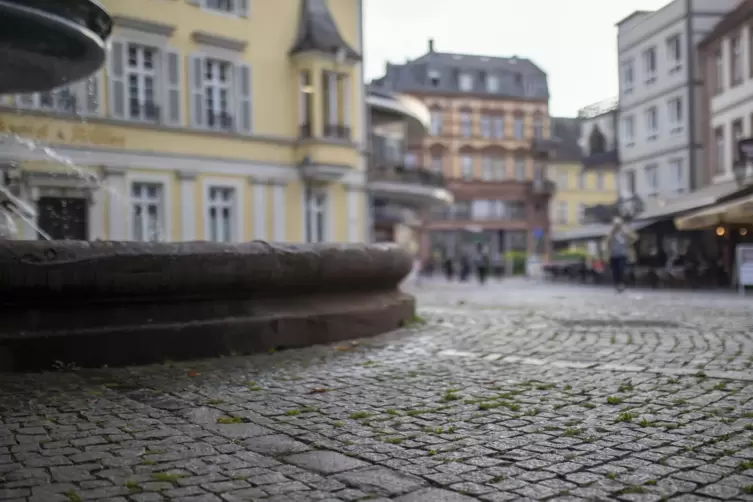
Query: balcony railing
(601,159)
(221,120)
(394,214)
(146,111)
(305,130)
(401,174)
(336,131)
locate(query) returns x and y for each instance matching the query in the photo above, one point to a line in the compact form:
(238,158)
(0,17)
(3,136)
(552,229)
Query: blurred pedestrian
(619,241)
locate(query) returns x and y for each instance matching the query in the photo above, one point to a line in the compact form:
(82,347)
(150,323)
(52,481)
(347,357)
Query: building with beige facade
(488,137)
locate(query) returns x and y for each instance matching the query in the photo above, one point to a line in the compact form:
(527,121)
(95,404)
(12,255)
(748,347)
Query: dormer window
(465,82)
(434,78)
(492,83)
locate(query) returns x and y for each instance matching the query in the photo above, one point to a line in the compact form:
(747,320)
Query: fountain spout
(44,44)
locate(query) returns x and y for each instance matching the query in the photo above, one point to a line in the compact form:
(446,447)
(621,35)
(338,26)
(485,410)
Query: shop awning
(739,211)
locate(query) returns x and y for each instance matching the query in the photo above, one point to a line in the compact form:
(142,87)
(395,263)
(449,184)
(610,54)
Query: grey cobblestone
(517,391)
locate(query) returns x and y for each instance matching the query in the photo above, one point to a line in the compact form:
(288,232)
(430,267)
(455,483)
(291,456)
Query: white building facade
(660,90)
(729,86)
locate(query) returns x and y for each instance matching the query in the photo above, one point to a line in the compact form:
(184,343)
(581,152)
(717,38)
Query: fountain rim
(96,45)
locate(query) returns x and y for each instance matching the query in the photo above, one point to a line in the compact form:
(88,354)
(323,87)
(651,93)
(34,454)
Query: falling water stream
(11,205)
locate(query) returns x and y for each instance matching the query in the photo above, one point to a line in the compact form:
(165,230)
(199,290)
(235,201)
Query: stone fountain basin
(116,303)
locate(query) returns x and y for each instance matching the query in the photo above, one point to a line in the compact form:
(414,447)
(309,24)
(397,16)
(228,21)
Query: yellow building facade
(578,186)
(222,120)
(578,189)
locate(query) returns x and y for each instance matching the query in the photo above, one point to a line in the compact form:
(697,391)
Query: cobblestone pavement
(515,391)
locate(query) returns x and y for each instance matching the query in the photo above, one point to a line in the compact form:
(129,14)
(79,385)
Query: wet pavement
(515,391)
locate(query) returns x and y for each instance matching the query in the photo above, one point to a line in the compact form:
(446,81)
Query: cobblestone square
(513,391)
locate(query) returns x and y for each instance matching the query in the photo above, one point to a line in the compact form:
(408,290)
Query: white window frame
(520,169)
(628,76)
(538,128)
(466,167)
(628,131)
(312,207)
(238,203)
(498,127)
(436,123)
(649,65)
(736,137)
(675,115)
(720,149)
(719,72)
(485,126)
(465,82)
(677,172)
(492,83)
(164,212)
(156,74)
(736,75)
(674,53)
(214,85)
(651,116)
(651,175)
(519,126)
(466,124)
(487,168)
(435,78)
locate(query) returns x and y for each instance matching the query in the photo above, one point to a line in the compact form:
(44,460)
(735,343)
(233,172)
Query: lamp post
(628,208)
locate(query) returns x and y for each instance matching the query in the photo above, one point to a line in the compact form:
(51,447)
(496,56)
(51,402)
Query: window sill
(675,69)
(653,137)
(650,80)
(630,144)
(676,130)
(628,91)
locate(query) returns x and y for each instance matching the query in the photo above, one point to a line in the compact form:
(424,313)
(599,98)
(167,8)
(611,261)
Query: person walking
(619,243)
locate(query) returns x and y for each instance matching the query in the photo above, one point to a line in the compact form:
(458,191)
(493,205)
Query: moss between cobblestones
(229,420)
(72,496)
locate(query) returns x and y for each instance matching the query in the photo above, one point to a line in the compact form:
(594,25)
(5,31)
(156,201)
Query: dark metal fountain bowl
(45,44)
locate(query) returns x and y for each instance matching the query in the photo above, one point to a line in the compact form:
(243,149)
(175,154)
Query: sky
(573,41)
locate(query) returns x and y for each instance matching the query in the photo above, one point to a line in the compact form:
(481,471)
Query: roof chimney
(431,45)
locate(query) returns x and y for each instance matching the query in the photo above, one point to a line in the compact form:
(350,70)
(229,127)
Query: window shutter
(346,101)
(171,110)
(241,7)
(332,93)
(117,80)
(196,71)
(243,99)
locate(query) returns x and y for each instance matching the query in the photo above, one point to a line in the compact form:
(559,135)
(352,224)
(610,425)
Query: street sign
(538,233)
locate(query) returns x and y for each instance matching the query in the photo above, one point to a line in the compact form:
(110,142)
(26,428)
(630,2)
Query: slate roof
(736,17)
(567,130)
(318,32)
(518,77)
